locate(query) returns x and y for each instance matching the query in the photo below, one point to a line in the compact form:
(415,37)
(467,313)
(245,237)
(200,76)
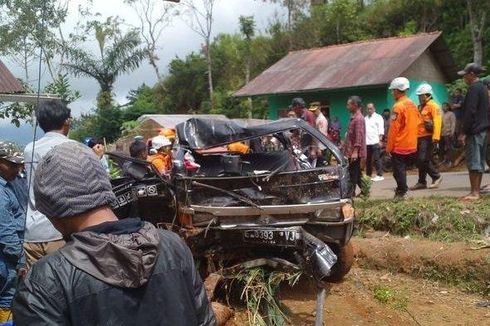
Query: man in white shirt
(321,123)
(41,238)
(374,136)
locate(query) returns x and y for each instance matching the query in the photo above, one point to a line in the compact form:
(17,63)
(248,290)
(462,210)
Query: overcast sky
(177,40)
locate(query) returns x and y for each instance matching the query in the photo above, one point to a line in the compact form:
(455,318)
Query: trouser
(400,163)
(373,154)
(354,176)
(8,283)
(37,250)
(424,160)
(446,148)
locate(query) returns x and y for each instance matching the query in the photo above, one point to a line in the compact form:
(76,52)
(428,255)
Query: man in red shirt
(355,142)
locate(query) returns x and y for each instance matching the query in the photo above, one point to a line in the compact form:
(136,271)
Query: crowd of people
(65,258)
(410,133)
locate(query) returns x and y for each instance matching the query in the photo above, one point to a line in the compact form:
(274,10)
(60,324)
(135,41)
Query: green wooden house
(331,74)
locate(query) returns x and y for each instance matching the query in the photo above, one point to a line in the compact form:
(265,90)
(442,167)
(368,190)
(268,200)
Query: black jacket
(116,273)
(475,109)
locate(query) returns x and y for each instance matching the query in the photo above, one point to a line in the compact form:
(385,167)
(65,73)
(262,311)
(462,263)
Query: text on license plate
(271,236)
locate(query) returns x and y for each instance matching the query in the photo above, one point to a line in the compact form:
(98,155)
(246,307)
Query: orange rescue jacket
(431,112)
(162,162)
(405,121)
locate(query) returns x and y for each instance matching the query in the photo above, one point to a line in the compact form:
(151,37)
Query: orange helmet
(168,132)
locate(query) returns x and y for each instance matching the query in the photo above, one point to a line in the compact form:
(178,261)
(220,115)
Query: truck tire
(345,259)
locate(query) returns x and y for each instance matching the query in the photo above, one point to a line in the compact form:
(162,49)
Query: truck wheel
(345,258)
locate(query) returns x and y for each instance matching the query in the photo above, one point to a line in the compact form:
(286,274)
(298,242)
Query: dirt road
(454,184)
(379,297)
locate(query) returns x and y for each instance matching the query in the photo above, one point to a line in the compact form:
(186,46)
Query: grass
(260,288)
(390,297)
(435,218)
(469,281)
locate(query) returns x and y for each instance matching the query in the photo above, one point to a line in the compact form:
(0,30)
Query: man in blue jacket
(12,218)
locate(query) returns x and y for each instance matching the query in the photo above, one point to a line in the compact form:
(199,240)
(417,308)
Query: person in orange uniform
(169,133)
(239,147)
(162,160)
(429,133)
(402,135)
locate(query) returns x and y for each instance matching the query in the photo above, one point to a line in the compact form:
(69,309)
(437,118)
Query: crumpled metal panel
(365,63)
(296,187)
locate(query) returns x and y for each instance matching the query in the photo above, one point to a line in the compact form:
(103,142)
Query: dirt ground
(380,297)
(414,302)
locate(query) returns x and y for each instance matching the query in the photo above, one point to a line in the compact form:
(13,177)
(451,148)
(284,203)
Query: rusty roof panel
(374,62)
(8,83)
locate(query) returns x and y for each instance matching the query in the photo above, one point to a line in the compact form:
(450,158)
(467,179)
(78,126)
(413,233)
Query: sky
(177,40)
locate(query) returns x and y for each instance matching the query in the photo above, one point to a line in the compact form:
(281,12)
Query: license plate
(272,237)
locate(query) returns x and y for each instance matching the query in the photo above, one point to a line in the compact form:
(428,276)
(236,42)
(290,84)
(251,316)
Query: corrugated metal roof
(8,83)
(374,62)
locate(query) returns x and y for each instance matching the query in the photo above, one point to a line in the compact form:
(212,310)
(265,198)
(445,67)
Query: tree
(201,21)
(477,15)
(141,101)
(61,87)
(30,25)
(119,54)
(247,28)
(293,7)
(342,22)
(184,89)
(154,16)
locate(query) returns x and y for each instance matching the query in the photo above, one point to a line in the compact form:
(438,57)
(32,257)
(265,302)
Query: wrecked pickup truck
(264,204)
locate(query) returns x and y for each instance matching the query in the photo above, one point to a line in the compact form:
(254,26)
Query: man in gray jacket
(110,272)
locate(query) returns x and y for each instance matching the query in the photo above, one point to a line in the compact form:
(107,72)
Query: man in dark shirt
(299,107)
(355,142)
(474,127)
(386,118)
(457,103)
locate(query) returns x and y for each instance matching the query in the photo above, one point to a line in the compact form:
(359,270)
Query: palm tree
(120,57)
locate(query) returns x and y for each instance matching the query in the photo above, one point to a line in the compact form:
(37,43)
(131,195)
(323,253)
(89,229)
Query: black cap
(298,101)
(471,67)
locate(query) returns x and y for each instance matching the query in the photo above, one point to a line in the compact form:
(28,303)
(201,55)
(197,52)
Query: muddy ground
(381,294)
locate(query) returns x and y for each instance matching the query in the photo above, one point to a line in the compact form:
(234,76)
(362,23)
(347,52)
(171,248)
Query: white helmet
(159,142)
(400,83)
(424,89)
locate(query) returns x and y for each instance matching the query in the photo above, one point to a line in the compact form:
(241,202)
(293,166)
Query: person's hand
(99,150)
(462,139)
